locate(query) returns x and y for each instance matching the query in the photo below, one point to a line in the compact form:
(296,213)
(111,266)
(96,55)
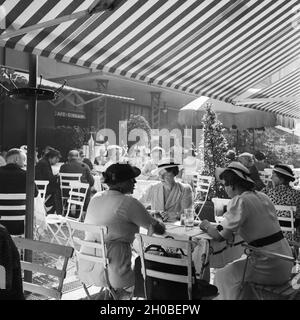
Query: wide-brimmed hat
(165,165)
(238,169)
(120,172)
(284,170)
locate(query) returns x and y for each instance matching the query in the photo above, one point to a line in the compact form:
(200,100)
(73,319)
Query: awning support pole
(30,174)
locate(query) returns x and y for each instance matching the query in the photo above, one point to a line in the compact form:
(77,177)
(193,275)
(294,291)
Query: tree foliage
(215,148)
(62,138)
(138,122)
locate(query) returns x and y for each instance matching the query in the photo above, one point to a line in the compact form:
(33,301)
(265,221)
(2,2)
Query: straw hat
(165,165)
(238,169)
(284,170)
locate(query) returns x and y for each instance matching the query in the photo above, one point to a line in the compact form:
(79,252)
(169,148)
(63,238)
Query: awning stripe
(218,48)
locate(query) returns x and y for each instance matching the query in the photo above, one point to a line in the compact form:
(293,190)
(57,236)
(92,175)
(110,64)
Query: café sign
(72,115)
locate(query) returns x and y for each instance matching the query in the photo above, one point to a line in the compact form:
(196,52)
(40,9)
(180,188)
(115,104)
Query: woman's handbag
(160,289)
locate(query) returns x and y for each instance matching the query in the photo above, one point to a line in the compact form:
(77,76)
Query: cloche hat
(120,172)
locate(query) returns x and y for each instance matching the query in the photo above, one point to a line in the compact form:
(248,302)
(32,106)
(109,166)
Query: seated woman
(283,194)
(123,215)
(168,196)
(252,215)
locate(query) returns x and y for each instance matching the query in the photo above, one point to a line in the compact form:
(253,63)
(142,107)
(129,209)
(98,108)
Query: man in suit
(13,180)
(43,171)
(75,165)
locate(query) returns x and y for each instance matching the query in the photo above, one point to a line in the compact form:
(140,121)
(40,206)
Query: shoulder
(184,187)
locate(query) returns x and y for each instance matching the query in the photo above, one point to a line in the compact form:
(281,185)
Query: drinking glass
(189,218)
(182,219)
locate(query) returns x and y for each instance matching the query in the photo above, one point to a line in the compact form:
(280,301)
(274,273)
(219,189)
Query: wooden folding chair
(12,212)
(186,261)
(66,179)
(201,193)
(100,251)
(55,223)
(42,188)
(45,247)
(286,217)
(286,291)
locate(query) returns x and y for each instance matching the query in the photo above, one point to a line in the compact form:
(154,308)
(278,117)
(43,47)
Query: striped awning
(216,48)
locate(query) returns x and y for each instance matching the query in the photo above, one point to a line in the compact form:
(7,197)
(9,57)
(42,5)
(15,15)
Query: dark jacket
(75,166)
(254,175)
(88,162)
(43,171)
(13,180)
(10,260)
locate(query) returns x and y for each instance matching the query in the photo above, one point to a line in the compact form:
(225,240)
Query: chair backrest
(12,212)
(2,278)
(286,214)
(203,185)
(42,187)
(39,246)
(65,180)
(77,196)
(186,261)
(77,243)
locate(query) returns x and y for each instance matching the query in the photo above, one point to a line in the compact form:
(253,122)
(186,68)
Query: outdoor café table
(220,253)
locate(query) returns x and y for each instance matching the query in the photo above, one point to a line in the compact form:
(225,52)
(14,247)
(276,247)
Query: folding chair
(42,187)
(286,217)
(65,179)
(12,212)
(39,246)
(286,291)
(201,193)
(268,177)
(185,261)
(77,196)
(100,251)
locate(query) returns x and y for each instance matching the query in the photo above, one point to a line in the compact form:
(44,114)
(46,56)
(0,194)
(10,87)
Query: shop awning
(215,48)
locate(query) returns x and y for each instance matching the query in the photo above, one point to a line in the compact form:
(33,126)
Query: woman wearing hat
(168,195)
(282,193)
(123,215)
(252,215)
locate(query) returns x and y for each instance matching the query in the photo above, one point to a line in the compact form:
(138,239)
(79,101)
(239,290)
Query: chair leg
(86,291)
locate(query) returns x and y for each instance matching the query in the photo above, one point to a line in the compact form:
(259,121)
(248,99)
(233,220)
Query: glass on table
(182,219)
(189,218)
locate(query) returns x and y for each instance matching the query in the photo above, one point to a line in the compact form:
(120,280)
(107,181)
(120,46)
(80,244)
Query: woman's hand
(204,225)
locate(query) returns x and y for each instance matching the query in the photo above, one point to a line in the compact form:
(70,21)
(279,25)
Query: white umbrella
(240,117)
(91,144)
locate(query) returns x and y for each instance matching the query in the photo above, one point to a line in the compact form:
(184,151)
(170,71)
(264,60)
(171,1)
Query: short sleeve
(234,216)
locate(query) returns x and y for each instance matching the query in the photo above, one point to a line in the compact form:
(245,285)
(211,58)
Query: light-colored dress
(123,215)
(252,215)
(180,198)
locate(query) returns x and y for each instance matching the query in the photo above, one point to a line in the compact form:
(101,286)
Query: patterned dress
(286,196)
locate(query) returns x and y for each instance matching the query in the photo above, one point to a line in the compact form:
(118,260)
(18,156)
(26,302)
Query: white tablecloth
(221,253)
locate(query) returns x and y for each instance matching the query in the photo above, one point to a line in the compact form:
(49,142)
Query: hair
(233,180)
(52,153)
(259,155)
(13,152)
(174,170)
(230,154)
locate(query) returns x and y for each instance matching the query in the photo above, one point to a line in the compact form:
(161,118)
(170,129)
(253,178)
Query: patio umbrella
(230,115)
(91,144)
